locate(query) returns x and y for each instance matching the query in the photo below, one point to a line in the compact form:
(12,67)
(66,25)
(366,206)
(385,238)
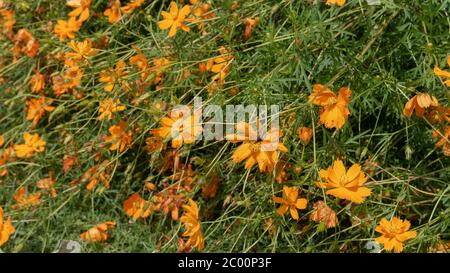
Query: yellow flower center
(343,180)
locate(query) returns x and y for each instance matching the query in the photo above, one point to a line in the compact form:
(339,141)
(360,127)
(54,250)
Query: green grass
(384,53)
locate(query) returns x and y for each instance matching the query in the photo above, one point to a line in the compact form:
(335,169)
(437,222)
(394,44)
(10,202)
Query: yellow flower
(131,6)
(36,108)
(334,110)
(120,138)
(261,150)
(99,233)
(33,143)
(174,19)
(82,50)
(394,233)
(113,12)
(108,107)
(181,129)
(115,77)
(6,228)
(419,103)
(442,73)
(290,201)
(80,9)
(66,29)
(345,184)
(190,220)
(221,65)
(336,2)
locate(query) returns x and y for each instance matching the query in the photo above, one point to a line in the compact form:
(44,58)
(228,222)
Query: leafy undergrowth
(363,90)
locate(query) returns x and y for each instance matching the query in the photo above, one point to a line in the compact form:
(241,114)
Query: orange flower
(201,12)
(8,21)
(219,65)
(280,172)
(394,233)
(150,186)
(68,162)
(345,184)
(59,87)
(305,134)
(99,233)
(113,12)
(442,73)
(48,184)
(159,66)
(136,207)
(444,141)
(336,2)
(181,127)
(5,156)
(419,103)
(96,174)
(115,77)
(131,6)
(263,150)
(334,110)
(174,19)
(141,62)
(82,50)
(24,199)
(323,213)
(2,140)
(119,137)
(33,143)
(6,228)
(290,201)
(37,82)
(154,143)
(66,29)
(250,23)
(108,107)
(36,108)
(438,114)
(80,9)
(70,79)
(25,43)
(191,222)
